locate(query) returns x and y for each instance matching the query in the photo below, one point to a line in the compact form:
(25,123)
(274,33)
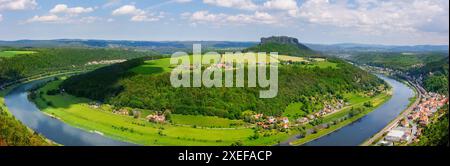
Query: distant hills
(171,46)
(350,47)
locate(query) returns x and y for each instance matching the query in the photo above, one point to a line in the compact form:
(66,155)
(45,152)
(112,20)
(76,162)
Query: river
(351,135)
(54,129)
(357,132)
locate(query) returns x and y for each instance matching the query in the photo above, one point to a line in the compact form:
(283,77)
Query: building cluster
(105,62)
(156,118)
(226,66)
(410,127)
(328,109)
(271,122)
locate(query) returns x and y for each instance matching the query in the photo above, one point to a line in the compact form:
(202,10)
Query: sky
(389,22)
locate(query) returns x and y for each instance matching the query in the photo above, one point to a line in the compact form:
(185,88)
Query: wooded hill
(284,46)
(57,59)
(118,86)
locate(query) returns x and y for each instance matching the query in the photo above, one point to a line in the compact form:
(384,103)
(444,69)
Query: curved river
(353,134)
(54,129)
(357,132)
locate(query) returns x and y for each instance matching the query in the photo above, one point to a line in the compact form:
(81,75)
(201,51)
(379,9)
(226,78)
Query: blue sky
(398,22)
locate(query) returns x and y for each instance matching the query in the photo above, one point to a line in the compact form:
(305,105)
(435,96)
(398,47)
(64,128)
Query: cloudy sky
(314,21)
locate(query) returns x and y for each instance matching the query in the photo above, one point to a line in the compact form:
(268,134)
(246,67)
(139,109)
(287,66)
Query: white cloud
(239,4)
(63,8)
(46,18)
(289,6)
(128,10)
(222,19)
(17,4)
(1,17)
(61,13)
(138,15)
(281,4)
(375,15)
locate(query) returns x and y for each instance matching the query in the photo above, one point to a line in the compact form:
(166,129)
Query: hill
(121,86)
(397,61)
(283,45)
(26,62)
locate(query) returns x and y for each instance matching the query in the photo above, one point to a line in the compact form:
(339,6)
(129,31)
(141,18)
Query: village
(410,127)
(259,119)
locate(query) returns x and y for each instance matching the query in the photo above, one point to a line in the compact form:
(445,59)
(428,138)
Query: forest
(432,67)
(297,83)
(436,134)
(57,59)
(396,60)
(13,133)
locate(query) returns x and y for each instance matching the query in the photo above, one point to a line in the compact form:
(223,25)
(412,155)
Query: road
(396,120)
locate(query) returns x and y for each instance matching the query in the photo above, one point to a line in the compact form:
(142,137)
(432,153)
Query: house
(271,119)
(156,118)
(302,120)
(121,111)
(94,105)
(423,120)
(258,116)
(285,120)
(398,134)
(285,125)
(404,123)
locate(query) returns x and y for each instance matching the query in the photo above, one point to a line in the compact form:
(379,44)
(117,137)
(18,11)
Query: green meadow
(10,54)
(206,121)
(185,130)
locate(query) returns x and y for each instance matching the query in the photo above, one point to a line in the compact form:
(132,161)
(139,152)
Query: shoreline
(391,124)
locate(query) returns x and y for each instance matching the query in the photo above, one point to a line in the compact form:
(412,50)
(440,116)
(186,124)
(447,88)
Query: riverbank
(14,132)
(78,113)
(395,121)
(376,101)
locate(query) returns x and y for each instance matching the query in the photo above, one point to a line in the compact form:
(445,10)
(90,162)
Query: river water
(351,135)
(357,132)
(54,129)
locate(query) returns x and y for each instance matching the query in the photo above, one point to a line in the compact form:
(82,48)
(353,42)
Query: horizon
(256,41)
(377,22)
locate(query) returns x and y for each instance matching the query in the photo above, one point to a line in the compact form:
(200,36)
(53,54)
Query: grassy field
(163,65)
(323,64)
(153,67)
(291,58)
(358,102)
(205,121)
(9,54)
(76,112)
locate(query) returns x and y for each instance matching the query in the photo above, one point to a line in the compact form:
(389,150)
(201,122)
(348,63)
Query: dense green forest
(435,75)
(13,133)
(42,60)
(297,83)
(57,59)
(436,134)
(432,67)
(398,61)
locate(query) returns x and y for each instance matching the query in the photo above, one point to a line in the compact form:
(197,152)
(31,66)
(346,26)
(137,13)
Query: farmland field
(9,54)
(205,121)
(77,112)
